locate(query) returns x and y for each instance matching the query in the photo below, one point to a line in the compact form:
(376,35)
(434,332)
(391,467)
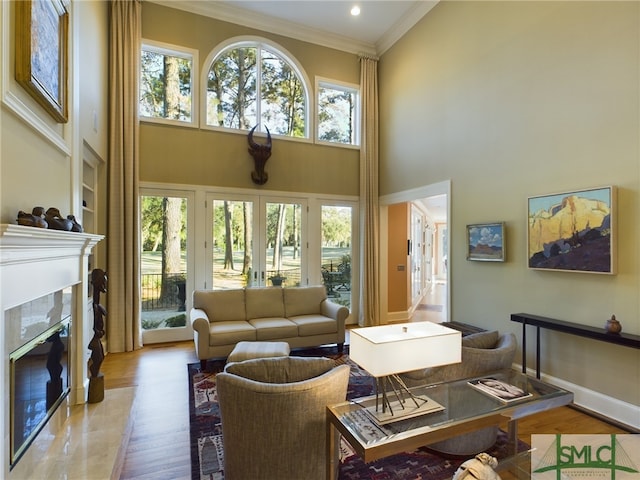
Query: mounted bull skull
(260,154)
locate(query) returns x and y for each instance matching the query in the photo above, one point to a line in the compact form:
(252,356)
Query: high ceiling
(378,26)
(329,23)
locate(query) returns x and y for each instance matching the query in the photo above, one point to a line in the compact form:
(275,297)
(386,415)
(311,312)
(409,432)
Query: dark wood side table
(624,339)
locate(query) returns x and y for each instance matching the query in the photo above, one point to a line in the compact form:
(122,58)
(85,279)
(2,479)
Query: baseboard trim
(608,409)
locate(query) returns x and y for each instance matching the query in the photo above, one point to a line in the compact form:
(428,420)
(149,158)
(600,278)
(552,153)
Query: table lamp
(388,350)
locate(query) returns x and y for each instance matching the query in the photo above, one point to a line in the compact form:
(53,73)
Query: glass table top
(463,405)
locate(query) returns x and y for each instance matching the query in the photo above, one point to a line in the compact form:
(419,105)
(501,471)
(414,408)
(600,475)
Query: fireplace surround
(38,368)
(37,264)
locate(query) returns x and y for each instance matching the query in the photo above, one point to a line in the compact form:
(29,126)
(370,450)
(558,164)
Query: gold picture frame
(42,29)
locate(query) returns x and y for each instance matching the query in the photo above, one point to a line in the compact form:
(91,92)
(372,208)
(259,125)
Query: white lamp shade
(402,347)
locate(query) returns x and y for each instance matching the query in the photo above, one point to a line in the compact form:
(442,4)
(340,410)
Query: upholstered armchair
(482,353)
(273,413)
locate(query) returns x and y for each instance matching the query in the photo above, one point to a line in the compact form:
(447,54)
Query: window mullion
(259,87)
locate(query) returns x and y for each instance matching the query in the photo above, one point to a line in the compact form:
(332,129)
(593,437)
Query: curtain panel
(123,268)
(369,204)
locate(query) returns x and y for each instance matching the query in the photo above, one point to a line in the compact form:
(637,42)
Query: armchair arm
(200,324)
(333,310)
(339,313)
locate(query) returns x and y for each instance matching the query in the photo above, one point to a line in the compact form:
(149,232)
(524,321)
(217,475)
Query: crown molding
(228,13)
(402,26)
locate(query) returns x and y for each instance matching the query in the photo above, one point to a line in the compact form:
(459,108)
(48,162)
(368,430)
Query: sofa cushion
(264,302)
(309,325)
(303,300)
(481,340)
(230,333)
(273,328)
(221,305)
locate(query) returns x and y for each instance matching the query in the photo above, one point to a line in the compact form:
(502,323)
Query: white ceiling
(437,207)
(380,24)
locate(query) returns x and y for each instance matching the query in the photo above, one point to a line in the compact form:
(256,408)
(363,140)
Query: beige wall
(516,99)
(203,157)
(34,171)
(94,75)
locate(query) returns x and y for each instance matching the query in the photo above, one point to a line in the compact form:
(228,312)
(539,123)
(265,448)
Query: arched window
(252,82)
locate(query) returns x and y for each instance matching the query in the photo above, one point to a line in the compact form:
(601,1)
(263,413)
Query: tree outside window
(166,83)
(338,112)
(252,83)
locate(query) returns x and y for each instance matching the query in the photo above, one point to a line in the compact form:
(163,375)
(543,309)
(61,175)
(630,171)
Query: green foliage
(157,72)
(283,96)
(336,226)
(336,112)
(148,324)
(232,96)
(177,321)
(152,221)
(231,88)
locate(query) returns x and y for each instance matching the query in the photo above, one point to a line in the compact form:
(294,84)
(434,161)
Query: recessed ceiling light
(355,11)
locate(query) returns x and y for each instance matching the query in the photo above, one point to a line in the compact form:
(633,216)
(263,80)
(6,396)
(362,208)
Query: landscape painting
(485,242)
(573,231)
(41,53)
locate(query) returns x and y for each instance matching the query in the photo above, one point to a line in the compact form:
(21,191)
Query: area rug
(206,432)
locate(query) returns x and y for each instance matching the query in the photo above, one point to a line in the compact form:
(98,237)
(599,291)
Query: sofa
(300,316)
(273,416)
(482,353)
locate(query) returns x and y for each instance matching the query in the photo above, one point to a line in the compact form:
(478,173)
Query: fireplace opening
(39,379)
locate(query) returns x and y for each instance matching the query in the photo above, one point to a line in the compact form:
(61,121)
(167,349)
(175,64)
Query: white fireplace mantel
(35,262)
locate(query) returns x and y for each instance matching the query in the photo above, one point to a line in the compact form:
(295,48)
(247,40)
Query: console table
(594,333)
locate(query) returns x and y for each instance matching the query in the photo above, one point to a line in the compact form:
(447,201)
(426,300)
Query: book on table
(503,391)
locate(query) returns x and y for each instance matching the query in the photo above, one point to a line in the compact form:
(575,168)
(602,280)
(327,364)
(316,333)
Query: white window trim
(255,41)
(182,52)
(338,85)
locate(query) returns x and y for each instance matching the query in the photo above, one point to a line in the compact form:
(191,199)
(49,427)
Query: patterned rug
(206,432)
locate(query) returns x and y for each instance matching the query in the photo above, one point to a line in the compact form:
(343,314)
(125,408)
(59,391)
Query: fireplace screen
(39,383)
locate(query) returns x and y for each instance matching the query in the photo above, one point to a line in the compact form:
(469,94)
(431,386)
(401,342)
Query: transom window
(338,112)
(250,83)
(167,77)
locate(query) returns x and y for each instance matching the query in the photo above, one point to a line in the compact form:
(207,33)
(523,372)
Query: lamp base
(410,411)
(397,404)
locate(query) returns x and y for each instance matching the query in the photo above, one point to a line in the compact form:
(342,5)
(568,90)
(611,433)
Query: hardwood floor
(159,447)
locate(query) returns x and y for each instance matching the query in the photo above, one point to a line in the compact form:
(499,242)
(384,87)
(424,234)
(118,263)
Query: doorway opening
(427,293)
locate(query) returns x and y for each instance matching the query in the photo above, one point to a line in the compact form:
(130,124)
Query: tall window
(167,82)
(338,113)
(252,82)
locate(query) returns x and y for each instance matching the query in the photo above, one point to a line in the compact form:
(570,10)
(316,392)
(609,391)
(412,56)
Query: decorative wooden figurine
(96,379)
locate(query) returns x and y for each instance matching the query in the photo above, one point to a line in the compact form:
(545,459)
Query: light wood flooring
(158,446)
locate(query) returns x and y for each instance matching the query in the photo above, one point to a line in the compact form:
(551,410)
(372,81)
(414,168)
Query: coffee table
(466,409)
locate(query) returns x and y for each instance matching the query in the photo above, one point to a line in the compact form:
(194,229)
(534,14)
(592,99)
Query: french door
(195,239)
(166,218)
(256,241)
